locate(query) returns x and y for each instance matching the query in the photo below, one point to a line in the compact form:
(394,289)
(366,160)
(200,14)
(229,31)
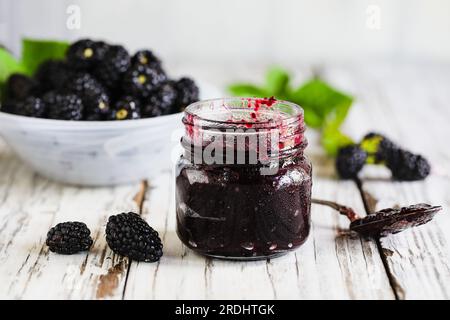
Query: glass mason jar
(243,184)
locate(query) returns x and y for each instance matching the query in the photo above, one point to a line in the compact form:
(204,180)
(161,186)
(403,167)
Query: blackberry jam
(243,184)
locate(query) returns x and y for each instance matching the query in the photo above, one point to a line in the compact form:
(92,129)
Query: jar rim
(268,105)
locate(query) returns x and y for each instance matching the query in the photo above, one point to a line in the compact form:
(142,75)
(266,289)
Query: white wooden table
(411,104)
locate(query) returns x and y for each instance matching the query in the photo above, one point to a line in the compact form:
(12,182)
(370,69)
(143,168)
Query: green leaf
(277,80)
(327,104)
(246,90)
(34,52)
(333,139)
(312,119)
(8,66)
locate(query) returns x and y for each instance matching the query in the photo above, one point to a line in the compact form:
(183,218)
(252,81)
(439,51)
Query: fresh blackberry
(146,58)
(112,67)
(82,83)
(350,160)
(129,235)
(63,106)
(85,54)
(19,87)
(377,146)
(126,108)
(141,80)
(69,238)
(161,102)
(187,93)
(52,75)
(406,166)
(31,107)
(92,93)
(96,107)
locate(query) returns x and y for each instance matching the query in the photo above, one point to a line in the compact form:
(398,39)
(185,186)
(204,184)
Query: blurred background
(250,31)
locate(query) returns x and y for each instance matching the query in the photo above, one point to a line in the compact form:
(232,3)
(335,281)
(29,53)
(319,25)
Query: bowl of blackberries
(100,116)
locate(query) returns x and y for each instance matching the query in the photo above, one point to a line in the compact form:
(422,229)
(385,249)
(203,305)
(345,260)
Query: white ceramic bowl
(96,153)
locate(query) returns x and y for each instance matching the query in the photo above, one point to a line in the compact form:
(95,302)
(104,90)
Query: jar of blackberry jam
(243,184)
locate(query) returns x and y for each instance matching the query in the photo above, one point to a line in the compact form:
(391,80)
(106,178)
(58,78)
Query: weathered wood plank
(180,274)
(29,206)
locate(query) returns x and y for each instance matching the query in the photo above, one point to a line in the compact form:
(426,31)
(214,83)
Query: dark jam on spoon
(235,210)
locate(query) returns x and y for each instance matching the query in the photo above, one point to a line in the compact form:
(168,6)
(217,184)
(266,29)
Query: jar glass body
(233,210)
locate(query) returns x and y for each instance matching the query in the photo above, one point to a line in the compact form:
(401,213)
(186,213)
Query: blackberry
(63,106)
(111,68)
(30,107)
(146,58)
(96,107)
(406,166)
(92,93)
(52,75)
(141,80)
(129,235)
(377,146)
(350,160)
(85,54)
(19,87)
(161,102)
(187,93)
(82,83)
(69,238)
(126,108)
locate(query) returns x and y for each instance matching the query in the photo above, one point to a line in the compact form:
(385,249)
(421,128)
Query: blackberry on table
(406,166)
(19,87)
(187,93)
(85,54)
(69,238)
(161,102)
(146,58)
(63,106)
(129,235)
(112,67)
(141,80)
(52,75)
(31,107)
(377,146)
(350,160)
(126,108)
